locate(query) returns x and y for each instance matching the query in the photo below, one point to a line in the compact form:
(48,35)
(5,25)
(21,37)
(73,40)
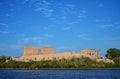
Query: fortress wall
(56,56)
(30,50)
(47,50)
(49,57)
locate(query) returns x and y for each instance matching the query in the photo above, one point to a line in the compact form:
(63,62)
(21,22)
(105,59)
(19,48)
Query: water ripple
(59,74)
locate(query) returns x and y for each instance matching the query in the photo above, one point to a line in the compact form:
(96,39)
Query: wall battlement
(33,50)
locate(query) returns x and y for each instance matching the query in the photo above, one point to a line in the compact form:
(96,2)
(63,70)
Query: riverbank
(59,68)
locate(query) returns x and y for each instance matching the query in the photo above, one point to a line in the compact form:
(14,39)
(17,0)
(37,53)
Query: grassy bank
(74,63)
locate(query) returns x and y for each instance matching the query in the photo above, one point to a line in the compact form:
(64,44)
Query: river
(60,74)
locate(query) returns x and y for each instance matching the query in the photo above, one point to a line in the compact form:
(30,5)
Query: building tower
(30,50)
(47,50)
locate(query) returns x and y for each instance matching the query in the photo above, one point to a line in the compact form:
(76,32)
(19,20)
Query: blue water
(59,74)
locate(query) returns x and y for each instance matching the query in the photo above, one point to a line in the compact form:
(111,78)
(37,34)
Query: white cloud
(83,11)
(66,28)
(70,7)
(4,32)
(45,28)
(11,9)
(3,26)
(67,9)
(44,7)
(64,48)
(63,19)
(21,34)
(59,20)
(71,23)
(117,24)
(84,37)
(4,29)
(46,2)
(113,38)
(11,33)
(110,26)
(100,5)
(47,12)
(48,36)
(100,20)
(25,1)
(106,26)
(8,15)
(81,17)
(32,39)
(16,46)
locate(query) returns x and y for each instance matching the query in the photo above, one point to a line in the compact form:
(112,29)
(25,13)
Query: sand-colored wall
(47,50)
(33,50)
(48,57)
(30,50)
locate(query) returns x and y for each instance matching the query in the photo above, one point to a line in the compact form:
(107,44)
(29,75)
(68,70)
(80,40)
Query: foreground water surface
(60,74)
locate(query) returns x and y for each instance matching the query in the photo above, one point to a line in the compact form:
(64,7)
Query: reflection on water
(59,74)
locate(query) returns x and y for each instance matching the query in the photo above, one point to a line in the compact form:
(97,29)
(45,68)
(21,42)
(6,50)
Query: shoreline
(60,69)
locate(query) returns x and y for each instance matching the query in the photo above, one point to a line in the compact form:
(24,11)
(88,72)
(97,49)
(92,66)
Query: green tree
(2,59)
(117,61)
(112,53)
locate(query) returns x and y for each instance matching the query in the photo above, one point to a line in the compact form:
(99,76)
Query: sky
(67,25)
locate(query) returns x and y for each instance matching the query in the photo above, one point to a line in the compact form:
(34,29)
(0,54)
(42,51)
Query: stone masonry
(91,53)
(30,50)
(47,50)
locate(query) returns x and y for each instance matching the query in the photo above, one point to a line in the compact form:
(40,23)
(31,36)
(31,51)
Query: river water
(60,74)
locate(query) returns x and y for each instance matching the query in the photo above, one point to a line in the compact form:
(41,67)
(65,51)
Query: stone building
(31,53)
(47,50)
(90,53)
(30,50)
(33,50)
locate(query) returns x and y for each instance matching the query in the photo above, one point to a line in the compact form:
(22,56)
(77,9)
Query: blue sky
(67,25)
